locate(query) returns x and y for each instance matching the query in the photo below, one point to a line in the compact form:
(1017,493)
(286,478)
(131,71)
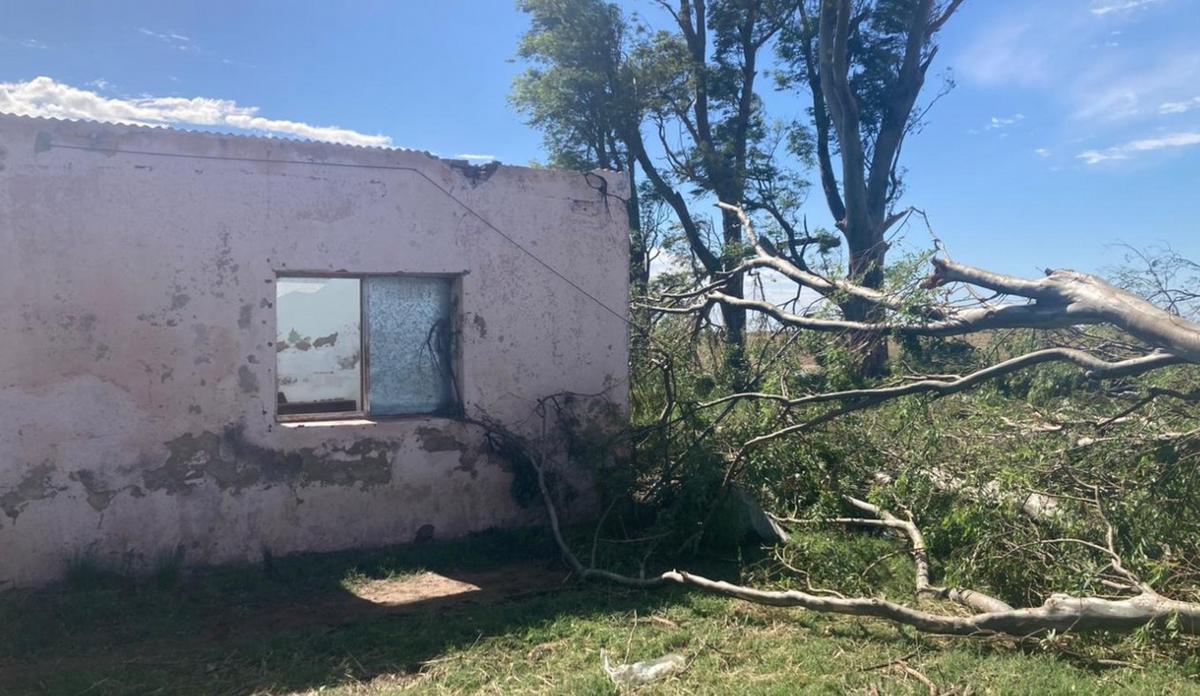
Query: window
(379,345)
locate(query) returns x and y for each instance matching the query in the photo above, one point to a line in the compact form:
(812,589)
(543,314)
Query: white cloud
(1058,48)
(1109,6)
(1129,149)
(170,38)
(1007,54)
(1109,90)
(42,96)
(34,43)
(1179,107)
(997,122)
(476,158)
(1042,152)
(1107,103)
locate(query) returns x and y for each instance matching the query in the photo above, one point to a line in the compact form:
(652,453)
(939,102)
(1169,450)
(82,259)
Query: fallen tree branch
(969,598)
(960,322)
(1060,612)
(1085,295)
(920,553)
(1095,368)
(767,257)
(1062,299)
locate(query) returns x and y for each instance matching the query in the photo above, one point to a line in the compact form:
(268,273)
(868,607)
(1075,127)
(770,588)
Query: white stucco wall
(137,377)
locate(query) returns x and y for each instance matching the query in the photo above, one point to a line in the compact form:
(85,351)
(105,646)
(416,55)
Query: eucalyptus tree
(1138,337)
(577,92)
(863,63)
(685,110)
(678,101)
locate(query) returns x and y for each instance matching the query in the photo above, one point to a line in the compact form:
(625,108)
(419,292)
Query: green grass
(213,633)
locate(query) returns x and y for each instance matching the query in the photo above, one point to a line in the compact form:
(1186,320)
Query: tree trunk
(639,262)
(639,253)
(866,270)
(734,318)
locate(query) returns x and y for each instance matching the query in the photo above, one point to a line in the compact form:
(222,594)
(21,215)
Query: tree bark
(862,209)
(866,270)
(1062,299)
(639,252)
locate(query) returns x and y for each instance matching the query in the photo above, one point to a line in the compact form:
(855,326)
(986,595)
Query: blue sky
(1074,124)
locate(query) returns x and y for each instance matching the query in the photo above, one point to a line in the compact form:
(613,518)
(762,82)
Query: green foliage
(994,476)
(877,47)
(850,561)
(599,84)
(575,90)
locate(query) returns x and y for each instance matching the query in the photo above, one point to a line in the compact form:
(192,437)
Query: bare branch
(958,323)
(808,279)
(833,61)
(882,518)
(1060,300)
(812,71)
(1058,613)
(1096,368)
(1082,294)
(859,399)
(945,15)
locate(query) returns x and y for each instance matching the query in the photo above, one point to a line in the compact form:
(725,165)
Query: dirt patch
(438,590)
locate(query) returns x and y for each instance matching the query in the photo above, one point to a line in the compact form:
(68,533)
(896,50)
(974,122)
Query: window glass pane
(318,345)
(409,335)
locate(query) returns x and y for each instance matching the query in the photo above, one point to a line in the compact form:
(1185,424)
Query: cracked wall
(139,340)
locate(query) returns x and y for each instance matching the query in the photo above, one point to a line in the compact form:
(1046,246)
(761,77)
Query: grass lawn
(492,614)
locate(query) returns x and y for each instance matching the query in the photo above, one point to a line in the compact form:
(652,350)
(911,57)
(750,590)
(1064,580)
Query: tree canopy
(681,105)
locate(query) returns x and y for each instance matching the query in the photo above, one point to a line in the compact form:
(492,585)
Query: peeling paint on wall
(35,485)
(233,463)
(435,440)
(99,496)
(247,380)
(143,294)
(244,316)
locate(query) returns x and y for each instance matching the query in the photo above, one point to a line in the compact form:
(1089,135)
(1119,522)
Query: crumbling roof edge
(159,128)
(474,172)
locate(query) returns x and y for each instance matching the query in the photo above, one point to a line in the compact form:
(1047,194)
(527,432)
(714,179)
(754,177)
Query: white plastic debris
(642,673)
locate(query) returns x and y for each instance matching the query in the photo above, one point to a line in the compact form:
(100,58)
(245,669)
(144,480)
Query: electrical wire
(399,168)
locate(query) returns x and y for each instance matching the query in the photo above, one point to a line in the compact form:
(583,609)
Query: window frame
(454,410)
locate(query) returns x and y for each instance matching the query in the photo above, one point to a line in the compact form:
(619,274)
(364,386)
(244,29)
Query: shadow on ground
(291,624)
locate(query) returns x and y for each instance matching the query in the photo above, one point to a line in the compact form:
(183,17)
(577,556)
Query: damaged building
(219,345)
